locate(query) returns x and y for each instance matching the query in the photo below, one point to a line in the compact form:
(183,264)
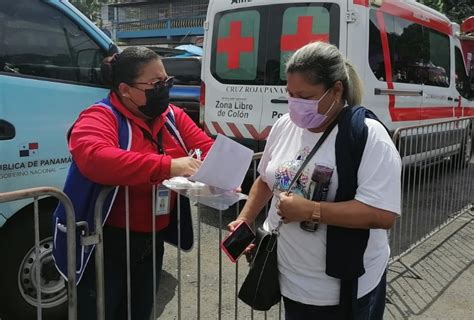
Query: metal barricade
(437,180)
(437,187)
(206,281)
(35,193)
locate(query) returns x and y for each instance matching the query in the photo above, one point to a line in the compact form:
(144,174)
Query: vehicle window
(40,41)
(302,25)
(236,45)
(277,31)
(437,58)
(376,59)
(418,54)
(462,79)
(405,40)
(185,70)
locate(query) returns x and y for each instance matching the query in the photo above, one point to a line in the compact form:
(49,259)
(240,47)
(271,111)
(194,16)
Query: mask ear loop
(332,105)
(319,100)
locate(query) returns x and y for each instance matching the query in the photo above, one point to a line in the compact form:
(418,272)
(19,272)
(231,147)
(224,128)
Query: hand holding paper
(225,165)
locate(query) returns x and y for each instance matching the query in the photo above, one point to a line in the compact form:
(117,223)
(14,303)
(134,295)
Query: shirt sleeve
(379,175)
(95,149)
(193,137)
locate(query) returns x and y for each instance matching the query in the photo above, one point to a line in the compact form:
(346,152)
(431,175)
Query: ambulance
(409,57)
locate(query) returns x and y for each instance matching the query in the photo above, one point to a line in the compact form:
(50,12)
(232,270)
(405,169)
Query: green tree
(438,5)
(90,8)
(458,10)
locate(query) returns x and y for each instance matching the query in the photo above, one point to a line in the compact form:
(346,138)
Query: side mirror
(112,49)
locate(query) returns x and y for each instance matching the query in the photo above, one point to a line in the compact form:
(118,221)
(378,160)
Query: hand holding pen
(186,166)
(196,153)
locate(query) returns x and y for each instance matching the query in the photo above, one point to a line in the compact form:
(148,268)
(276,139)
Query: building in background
(155,22)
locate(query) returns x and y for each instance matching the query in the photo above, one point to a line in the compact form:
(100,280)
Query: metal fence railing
(437,180)
(169,10)
(436,188)
(36,193)
(161,24)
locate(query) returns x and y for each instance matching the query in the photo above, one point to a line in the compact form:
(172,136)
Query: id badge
(162,206)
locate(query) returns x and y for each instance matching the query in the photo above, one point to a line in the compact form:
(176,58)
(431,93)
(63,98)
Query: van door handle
(281,101)
(453,99)
(7,130)
(396,92)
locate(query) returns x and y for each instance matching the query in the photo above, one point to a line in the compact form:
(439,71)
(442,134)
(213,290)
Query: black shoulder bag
(261,287)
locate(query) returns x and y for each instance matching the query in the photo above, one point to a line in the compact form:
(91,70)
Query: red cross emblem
(304,35)
(234,44)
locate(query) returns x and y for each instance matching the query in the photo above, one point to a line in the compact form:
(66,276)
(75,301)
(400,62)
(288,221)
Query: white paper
(225,165)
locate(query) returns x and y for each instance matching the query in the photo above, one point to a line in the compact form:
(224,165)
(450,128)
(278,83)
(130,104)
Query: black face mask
(157,101)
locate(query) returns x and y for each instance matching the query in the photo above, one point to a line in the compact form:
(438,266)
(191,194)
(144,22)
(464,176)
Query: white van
(407,55)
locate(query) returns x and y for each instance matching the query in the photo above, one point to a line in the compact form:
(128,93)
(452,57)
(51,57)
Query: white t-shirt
(302,254)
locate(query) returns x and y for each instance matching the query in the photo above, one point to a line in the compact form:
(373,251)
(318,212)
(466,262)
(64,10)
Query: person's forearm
(355,214)
(259,195)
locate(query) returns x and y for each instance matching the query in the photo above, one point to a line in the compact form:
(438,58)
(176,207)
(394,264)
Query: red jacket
(95,149)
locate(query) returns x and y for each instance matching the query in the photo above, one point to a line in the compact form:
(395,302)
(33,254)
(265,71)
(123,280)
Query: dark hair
(323,63)
(125,66)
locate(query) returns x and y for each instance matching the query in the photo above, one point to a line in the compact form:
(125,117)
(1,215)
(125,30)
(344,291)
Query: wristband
(316,213)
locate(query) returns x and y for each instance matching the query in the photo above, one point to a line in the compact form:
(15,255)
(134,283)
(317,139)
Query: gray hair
(323,63)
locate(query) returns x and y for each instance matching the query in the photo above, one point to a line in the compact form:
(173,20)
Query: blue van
(50,57)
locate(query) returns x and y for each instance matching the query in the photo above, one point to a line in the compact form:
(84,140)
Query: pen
(197,153)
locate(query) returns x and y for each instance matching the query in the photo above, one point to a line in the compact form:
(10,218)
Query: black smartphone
(236,242)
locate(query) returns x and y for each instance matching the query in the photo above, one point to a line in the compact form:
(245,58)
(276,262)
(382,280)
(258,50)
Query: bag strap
(275,231)
(312,153)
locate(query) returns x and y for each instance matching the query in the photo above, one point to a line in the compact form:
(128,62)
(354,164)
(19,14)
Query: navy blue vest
(346,246)
(83,194)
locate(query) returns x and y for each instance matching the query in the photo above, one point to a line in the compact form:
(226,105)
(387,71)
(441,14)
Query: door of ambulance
(440,97)
(394,76)
(232,70)
(291,25)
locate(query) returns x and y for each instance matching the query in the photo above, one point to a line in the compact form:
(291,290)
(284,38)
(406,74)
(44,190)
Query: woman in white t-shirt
(320,84)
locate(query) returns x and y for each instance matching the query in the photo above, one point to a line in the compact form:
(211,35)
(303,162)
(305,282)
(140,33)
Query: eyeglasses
(167,83)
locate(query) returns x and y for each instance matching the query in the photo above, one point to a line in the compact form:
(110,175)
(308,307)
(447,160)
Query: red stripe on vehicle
(218,128)
(364,3)
(414,14)
(206,129)
(235,130)
(253,132)
(468,112)
(425,113)
(432,112)
(264,134)
(387,62)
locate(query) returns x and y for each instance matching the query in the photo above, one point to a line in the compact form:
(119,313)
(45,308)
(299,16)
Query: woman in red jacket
(140,92)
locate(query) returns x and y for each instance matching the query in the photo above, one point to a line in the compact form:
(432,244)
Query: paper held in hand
(225,165)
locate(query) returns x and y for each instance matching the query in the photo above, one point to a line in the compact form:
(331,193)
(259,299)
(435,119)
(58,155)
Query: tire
(18,269)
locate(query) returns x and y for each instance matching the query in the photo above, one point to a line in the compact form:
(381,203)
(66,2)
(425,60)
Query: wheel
(18,283)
